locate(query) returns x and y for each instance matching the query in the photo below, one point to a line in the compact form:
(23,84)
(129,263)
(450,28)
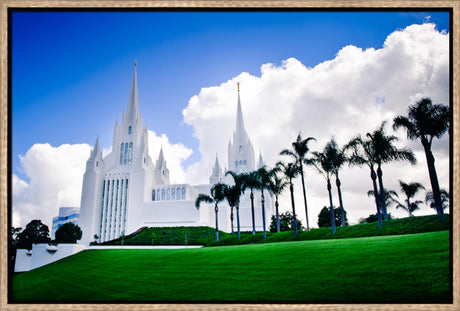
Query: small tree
(285,223)
(35,232)
(324,218)
(68,233)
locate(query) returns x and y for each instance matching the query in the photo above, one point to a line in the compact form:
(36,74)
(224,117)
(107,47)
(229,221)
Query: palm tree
(290,171)
(324,162)
(217,195)
(251,181)
(277,186)
(386,152)
(238,184)
(298,153)
(231,194)
(429,199)
(389,196)
(364,154)
(426,121)
(338,160)
(410,190)
(264,183)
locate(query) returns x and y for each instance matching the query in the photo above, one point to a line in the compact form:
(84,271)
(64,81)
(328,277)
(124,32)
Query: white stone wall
(43,254)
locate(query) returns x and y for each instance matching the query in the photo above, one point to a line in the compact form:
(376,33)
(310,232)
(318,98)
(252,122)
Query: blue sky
(71,71)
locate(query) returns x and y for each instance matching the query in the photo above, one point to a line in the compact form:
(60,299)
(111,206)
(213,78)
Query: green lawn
(402,269)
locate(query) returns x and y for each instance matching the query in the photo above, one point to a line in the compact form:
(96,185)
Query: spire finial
(135,63)
(238,86)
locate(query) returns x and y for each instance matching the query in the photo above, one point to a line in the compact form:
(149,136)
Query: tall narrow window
(158,194)
(125,159)
(183,193)
(130,153)
(162,194)
(122,150)
(178,193)
(129,130)
(153,194)
(168,194)
(173,193)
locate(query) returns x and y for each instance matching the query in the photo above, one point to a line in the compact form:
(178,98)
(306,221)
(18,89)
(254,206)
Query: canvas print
(230,156)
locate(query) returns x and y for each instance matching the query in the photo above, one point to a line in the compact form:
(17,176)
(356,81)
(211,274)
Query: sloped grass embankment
(412,268)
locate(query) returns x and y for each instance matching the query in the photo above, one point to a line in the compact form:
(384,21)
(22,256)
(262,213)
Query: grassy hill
(206,235)
(412,268)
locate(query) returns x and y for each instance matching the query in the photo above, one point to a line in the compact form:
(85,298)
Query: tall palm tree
(238,185)
(429,199)
(299,154)
(290,171)
(339,158)
(324,162)
(217,195)
(264,184)
(277,186)
(426,121)
(250,180)
(410,190)
(386,151)
(364,154)
(231,194)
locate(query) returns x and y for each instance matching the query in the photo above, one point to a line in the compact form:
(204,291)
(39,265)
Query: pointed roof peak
(161,156)
(132,110)
(240,129)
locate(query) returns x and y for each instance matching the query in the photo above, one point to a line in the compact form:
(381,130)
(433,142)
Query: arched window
(173,193)
(241,149)
(236,164)
(122,150)
(168,194)
(158,194)
(162,194)
(153,194)
(183,193)
(129,130)
(241,162)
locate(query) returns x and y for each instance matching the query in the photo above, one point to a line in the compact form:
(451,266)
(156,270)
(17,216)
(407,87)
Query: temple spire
(240,129)
(132,110)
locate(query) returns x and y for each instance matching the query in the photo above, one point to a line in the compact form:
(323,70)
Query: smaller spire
(161,157)
(261,161)
(238,86)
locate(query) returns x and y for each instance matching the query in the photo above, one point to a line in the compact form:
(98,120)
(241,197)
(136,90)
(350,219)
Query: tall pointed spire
(240,130)
(132,110)
(161,157)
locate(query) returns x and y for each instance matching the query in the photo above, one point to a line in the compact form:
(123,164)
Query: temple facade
(127,190)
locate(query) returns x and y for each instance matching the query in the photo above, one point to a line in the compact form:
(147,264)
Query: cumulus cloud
(55,174)
(348,95)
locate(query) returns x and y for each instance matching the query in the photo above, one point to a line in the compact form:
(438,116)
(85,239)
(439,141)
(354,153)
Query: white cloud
(55,174)
(348,95)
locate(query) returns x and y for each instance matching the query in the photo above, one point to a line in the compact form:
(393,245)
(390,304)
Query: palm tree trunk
(231,218)
(238,218)
(304,195)
(376,196)
(383,205)
(409,207)
(216,209)
(263,213)
(252,210)
(342,213)
(294,220)
(329,187)
(277,215)
(434,181)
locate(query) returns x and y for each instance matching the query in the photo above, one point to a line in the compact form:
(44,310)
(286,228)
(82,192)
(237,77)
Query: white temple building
(126,190)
